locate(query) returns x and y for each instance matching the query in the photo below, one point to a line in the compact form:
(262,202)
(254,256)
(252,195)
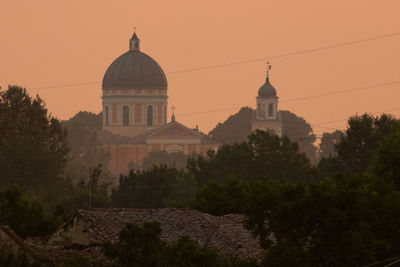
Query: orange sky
(49,43)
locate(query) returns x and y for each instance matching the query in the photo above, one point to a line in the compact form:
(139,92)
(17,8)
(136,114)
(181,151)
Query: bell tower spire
(268,69)
(134,42)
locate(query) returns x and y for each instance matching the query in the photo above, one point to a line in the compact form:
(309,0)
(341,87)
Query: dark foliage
(387,161)
(359,144)
(336,222)
(175,159)
(142,246)
(157,187)
(33,150)
(27,217)
(238,127)
(299,130)
(19,258)
(328,142)
(264,155)
(221,198)
(83,130)
(235,129)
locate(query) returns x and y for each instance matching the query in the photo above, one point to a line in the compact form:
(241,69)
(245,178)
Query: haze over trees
(35,196)
(263,155)
(342,211)
(238,127)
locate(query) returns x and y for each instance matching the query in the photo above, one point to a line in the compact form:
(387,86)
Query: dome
(134,69)
(267,90)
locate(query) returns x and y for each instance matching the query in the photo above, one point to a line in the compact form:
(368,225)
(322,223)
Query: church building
(135,105)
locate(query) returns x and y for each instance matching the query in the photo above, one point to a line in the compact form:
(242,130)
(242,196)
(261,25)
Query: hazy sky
(52,42)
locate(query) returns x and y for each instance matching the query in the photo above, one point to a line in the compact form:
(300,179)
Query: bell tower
(267,116)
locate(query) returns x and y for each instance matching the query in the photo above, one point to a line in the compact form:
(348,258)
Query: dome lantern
(134,70)
(134,42)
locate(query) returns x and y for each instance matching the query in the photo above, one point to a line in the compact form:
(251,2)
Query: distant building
(135,106)
(267,116)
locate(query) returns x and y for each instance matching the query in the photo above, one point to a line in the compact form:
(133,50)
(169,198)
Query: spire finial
(173,113)
(268,69)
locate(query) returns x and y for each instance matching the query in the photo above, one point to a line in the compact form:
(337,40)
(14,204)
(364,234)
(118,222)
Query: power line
(312,125)
(216,66)
(306,51)
(303,98)
(343,91)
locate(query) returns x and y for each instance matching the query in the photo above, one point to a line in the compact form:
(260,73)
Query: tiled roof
(9,237)
(225,233)
(59,254)
(35,248)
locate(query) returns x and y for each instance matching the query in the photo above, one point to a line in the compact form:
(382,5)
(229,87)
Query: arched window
(149,115)
(125,116)
(106,115)
(270,110)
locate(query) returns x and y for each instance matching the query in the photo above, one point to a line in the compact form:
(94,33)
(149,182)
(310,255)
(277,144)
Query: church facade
(135,105)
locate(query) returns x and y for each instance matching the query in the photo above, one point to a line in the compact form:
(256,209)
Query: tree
(328,142)
(343,221)
(234,129)
(175,159)
(157,187)
(263,155)
(27,217)
(238,127)
(83,138)
(89,192)
(186,252)
(300,131)
(138,246)
(20,258)
(142,246)
(33,150)
(387,161)
(358,146)
(221,198)
(86,148)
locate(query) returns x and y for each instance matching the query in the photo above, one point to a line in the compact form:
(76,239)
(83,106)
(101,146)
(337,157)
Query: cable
(311,125)
(305,97)
(343,91)
(300,52)
(306,51)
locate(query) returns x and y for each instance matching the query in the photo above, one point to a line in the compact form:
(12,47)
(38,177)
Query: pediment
(174,130)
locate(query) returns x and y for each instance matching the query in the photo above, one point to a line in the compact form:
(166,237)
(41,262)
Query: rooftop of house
(9,238)
(225,233)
